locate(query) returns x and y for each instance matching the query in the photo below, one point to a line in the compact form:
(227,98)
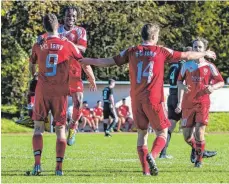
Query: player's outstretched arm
(191,55)
(102,62)
(91,77)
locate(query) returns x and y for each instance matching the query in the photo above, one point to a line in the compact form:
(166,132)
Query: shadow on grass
(102,173)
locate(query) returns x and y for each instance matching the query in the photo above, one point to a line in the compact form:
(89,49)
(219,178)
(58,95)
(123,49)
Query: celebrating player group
(58,54)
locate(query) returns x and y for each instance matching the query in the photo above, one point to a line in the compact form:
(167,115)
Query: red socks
(158,145)
(200,146)
(142,152)
(60,150)
(37,148)
(192,143)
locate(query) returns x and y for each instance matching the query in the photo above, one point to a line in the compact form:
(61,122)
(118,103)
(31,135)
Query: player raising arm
(197,75)
(52,58)
(146,66)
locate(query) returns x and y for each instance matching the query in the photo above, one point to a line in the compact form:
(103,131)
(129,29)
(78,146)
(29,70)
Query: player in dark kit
(174,117)
(109,108)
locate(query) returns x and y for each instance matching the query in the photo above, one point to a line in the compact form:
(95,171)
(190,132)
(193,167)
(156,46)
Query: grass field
(96,158)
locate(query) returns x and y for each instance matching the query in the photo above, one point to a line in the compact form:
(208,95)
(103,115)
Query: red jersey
(98,111)
(123,110)
(78,36)
(198,76)
(146,65)
(86,112)
(53,67)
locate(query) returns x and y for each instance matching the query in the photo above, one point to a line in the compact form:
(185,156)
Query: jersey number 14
(147,72)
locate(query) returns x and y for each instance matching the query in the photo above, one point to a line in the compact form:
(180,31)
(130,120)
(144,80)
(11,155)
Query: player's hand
(178,108)
(92,85)
(186,88)
(209,89)
(210,54)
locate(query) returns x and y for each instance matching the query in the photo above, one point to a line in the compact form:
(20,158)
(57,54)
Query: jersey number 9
(51,62)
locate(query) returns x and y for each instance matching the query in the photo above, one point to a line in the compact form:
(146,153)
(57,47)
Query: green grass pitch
(97,159)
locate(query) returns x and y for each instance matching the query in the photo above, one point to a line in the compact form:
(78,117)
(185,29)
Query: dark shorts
(107,111)
(172,104)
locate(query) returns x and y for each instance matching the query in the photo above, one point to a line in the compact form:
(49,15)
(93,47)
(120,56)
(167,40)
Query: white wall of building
(219,98)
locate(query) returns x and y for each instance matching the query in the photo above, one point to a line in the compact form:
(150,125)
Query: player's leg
(200,143)
(84,122)
(40,112)
(173,118)
(38,145)
(106,114)
(96,122)
(58,110)
(119,124)
(60,148)
(112,114)
(157,117)
(91,123)
(77,99)
(188,124)
(202,113)
(130,122)
(141,123)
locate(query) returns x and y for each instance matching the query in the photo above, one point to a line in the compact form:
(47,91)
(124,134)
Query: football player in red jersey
(174,117)
(76,35)
(52,58)
(124,116)
(86,117)
(98,114)
(197,75)
(146,69)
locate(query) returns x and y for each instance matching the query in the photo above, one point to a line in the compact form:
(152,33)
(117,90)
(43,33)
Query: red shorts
(57,106)
(75,86)
(197,114)
(145,113)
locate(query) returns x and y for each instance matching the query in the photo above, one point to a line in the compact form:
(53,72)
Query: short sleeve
(122,58)
(216,76)
(82,37)
(171,55)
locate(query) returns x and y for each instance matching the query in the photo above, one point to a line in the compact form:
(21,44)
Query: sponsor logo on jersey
(197,79)
(205,71)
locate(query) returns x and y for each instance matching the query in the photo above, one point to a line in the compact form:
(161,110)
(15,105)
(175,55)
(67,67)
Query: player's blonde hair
(148,30)
(203,40)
